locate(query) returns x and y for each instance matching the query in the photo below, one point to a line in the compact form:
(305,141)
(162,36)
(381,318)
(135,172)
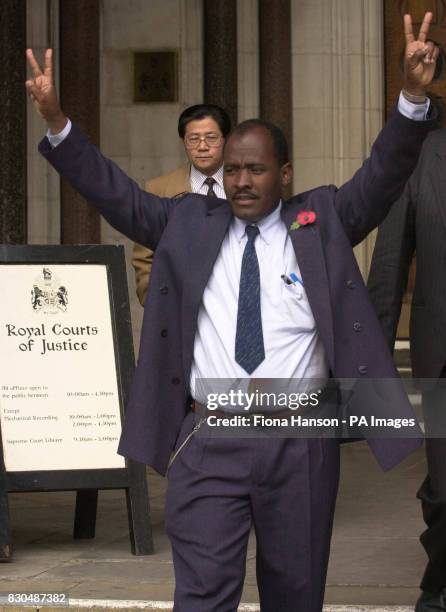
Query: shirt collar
(199,178)
(267,226)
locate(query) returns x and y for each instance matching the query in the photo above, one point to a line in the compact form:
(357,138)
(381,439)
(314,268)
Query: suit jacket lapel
(309,251)
(203,252)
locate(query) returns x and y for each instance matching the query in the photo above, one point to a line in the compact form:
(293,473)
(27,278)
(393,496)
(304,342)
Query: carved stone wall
(338,96)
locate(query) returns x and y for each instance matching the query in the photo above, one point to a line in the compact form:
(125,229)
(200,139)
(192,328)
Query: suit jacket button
(164,290)
(175,380)
(362,369)
(357,326)
(164,333)
(350,284)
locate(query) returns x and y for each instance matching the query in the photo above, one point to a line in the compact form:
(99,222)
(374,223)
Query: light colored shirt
(293,348)
(56,139)
(197,182)
(417,112)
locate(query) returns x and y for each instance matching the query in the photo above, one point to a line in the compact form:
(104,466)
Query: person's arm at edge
(137,214)
(364,201)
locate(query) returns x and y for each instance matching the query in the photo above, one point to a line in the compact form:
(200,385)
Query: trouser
(219,487)
(433,490)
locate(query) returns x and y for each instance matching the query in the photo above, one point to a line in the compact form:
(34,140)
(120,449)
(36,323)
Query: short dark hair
(201,111)
(279,141)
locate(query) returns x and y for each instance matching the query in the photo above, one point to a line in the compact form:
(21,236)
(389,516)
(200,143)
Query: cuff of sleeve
(417,112)
(56,139)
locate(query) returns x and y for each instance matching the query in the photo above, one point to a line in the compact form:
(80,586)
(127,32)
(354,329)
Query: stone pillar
(248,58)
(13,122)
(220,54)
(42,31)
(275,64)
(190,16)
(79,86)
(338,97)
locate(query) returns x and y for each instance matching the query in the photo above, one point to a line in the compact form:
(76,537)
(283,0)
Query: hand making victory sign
(419,57)
(43,93)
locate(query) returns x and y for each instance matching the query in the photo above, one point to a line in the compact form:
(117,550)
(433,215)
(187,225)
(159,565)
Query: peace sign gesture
(43,93)
(419,57)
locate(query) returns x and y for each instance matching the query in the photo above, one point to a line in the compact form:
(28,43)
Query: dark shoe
(432,602)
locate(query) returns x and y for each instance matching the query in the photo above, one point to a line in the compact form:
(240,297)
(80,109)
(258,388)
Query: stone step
(167,606)
(401,357)
(405,373)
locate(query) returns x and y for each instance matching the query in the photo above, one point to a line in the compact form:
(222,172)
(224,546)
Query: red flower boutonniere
(305,217)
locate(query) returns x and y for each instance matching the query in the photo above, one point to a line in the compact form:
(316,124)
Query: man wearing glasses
(203,129)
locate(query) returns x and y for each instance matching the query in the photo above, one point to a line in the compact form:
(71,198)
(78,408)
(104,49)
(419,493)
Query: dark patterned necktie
(210,182)
(249,349)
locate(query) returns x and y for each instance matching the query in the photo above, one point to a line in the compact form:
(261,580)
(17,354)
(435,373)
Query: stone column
(13,122)
(79,86)
(248,59)
(338,97)
(275,64)
(42,31)
(220,54)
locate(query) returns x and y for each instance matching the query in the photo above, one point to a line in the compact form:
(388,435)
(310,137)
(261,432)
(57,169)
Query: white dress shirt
(197,182)
(293,349)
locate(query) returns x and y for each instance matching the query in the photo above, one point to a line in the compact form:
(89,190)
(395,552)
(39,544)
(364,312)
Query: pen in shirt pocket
(291,279)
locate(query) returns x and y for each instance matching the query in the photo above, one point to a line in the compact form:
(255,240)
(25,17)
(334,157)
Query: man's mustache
(249,194)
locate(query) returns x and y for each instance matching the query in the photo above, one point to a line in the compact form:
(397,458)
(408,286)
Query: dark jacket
(417,222)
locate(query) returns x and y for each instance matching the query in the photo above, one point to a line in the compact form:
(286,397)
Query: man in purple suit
(250,288)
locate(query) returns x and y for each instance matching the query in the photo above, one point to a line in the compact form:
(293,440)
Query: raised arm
(420,57)
(43,93)
(364,201)
(134,212)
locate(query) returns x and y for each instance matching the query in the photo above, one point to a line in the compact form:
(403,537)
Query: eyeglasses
(192,141)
